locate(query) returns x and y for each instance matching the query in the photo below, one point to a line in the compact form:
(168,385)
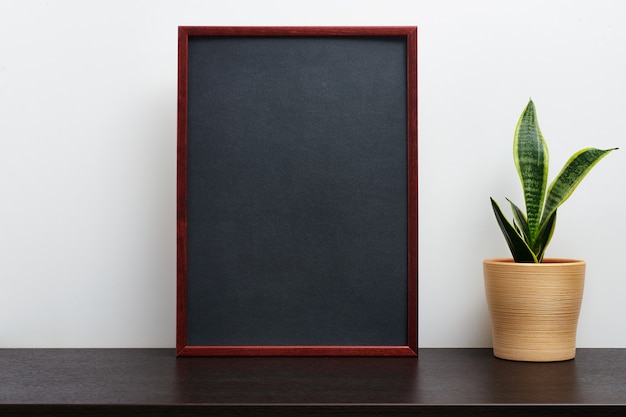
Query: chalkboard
(297,191)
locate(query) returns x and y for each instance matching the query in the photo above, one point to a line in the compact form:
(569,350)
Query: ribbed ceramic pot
(534,308)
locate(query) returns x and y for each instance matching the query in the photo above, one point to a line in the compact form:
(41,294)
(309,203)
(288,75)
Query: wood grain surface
(441,382)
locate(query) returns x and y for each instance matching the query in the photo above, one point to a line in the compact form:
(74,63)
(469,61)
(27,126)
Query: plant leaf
(530,153)
(519,249)
(520,219)
(575,169)
(544,237)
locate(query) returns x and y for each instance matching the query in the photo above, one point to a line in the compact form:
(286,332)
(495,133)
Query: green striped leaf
(544,237)
(519,219)
(575,169)
(519,249)
(530,153)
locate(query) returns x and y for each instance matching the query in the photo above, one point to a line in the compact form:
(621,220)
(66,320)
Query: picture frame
(297,191)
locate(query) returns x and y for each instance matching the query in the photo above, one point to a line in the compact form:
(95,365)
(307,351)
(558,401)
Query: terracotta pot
(534,308)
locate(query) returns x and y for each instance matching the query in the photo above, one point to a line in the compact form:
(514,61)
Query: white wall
(88,155)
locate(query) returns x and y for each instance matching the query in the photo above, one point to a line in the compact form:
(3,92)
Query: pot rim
(546,263)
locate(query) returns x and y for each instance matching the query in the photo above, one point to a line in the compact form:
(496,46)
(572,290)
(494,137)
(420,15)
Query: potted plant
(534,302)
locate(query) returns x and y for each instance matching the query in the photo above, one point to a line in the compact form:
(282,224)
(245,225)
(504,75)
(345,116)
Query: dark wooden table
(441,382)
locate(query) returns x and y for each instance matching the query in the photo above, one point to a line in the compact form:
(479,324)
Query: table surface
(36,380)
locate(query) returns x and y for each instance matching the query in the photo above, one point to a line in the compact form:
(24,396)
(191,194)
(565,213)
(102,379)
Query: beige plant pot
(534,308)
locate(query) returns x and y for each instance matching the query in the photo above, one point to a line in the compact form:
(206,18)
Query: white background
(88,155)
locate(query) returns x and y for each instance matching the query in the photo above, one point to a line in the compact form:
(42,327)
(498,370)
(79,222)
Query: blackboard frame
(321,34)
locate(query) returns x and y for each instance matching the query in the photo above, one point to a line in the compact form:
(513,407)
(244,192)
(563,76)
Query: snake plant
(529,234)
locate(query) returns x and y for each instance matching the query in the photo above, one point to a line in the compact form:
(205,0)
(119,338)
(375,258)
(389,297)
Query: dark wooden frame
(182,347)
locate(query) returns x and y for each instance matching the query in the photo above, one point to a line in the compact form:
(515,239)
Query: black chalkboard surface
(297,191)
